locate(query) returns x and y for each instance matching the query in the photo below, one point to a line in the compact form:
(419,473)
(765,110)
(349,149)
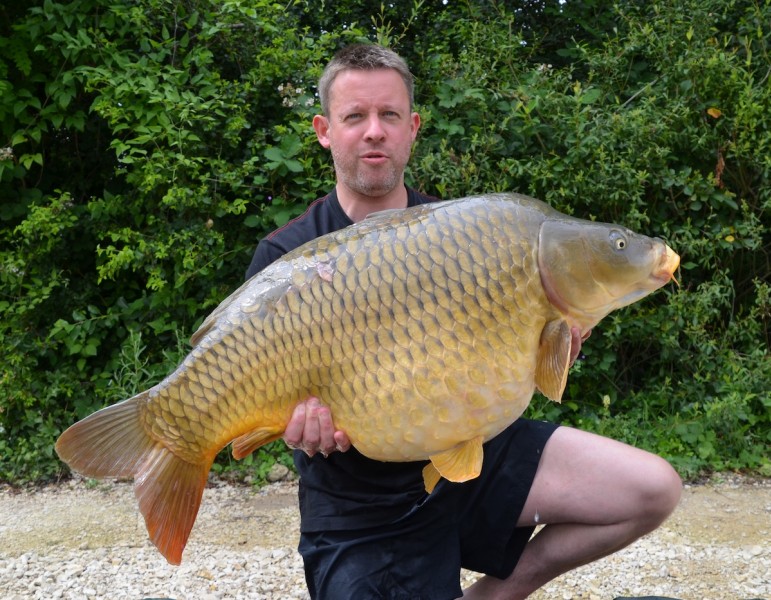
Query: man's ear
(321,126)
(414,125)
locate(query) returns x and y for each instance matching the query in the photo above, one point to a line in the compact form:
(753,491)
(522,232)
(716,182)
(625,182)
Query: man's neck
(358,206)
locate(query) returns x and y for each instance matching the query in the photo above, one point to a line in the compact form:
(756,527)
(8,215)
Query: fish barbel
(425,330)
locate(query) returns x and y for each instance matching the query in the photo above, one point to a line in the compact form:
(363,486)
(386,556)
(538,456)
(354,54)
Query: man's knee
(661,492)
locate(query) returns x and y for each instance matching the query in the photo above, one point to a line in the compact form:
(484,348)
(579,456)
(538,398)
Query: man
(368,529)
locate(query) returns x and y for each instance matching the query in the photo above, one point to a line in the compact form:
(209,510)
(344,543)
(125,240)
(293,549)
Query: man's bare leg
(595,496)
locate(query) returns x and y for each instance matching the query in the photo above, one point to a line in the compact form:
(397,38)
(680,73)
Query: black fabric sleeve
(267,252)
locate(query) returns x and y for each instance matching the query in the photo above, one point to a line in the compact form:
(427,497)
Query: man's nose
(375,129)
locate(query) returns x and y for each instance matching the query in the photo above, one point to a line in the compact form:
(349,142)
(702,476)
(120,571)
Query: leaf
(26,160)
(274,154)
(293,166)
(252,221)
(590,96)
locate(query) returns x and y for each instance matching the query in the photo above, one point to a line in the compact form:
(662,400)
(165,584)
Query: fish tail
(113,442)
(109,443)
(169,492)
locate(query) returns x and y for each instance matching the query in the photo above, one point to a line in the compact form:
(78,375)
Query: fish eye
(618,240)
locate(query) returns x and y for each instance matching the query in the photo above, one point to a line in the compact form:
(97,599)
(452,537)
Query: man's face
(370,130)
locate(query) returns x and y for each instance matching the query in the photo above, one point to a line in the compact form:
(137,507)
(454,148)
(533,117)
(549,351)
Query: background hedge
(147,145)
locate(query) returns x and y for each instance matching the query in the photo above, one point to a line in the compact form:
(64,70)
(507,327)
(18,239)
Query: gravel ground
(82,540)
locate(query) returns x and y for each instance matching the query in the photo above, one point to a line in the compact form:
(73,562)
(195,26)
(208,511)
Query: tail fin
(109,443)
(169,492)
(113,443)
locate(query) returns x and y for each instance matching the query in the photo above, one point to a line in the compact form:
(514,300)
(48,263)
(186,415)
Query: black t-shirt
(346,490)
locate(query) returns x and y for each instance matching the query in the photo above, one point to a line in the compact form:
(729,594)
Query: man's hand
(311,430)
(577,340)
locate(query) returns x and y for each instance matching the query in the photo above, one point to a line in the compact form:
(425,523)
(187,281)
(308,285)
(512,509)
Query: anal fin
(459,463)
(249,442)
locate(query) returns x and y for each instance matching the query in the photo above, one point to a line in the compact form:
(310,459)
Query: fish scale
(426,331)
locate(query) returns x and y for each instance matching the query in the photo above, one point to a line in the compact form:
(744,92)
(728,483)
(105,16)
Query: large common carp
(426,331)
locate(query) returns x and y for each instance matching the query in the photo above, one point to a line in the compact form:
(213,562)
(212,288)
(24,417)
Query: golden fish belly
(406,426)
(433,382)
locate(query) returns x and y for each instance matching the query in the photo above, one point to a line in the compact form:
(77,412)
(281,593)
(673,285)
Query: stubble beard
(364,181)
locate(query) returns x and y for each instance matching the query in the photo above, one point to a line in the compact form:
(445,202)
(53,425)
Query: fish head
(589,269)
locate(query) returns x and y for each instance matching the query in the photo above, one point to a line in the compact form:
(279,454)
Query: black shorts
(468,525)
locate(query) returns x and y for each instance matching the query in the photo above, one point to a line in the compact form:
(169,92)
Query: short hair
(363,57)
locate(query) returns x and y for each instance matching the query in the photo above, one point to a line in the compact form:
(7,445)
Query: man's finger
(311,429)
(293,434)
(342,443)
(575,343)
(311,434)
(327,443)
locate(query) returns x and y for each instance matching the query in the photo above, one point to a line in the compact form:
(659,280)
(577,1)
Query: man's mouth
(374,157)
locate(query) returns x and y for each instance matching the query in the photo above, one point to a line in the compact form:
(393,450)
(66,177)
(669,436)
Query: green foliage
(145,146)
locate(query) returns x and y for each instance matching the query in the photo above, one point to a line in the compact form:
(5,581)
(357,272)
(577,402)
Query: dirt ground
(733,513)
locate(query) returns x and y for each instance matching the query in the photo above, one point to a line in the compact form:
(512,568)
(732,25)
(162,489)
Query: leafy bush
(149,144)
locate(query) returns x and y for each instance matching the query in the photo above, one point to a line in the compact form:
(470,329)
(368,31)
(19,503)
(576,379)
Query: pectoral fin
(553,362)
(249,442)
(460,463)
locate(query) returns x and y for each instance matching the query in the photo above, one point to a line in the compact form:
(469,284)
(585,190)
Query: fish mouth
(665,270)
